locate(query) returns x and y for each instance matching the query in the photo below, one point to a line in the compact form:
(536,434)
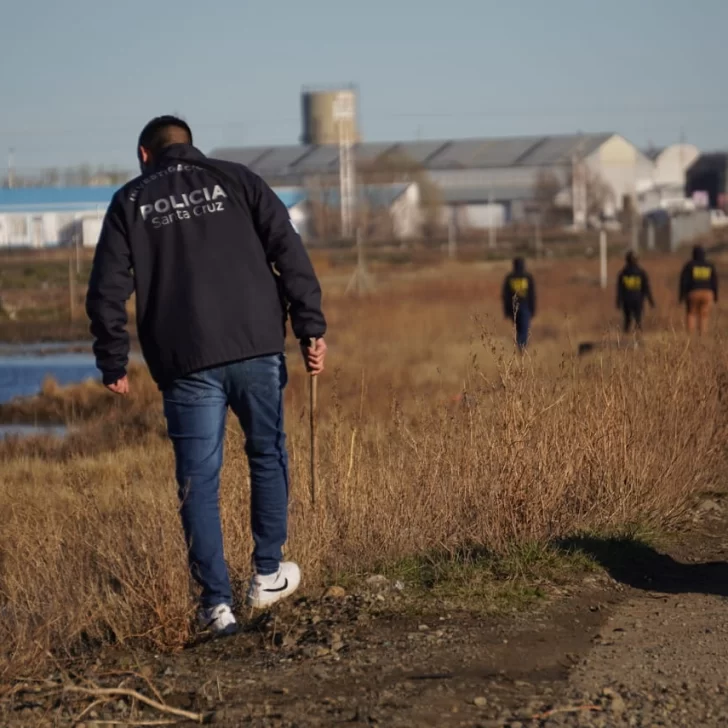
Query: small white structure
(38,217)
(665,188)
(398,203)
(671,164)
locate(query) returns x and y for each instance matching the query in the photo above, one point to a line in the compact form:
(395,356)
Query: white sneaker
(271,588)
(220,620)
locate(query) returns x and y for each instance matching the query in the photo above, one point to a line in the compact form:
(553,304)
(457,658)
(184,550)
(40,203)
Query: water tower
(329,116)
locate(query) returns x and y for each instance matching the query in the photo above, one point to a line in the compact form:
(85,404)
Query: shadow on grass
(639,565)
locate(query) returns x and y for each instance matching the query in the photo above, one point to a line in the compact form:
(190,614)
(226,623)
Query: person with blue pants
(218,269)
(519,301)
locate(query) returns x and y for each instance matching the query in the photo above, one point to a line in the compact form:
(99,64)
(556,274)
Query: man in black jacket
(633,287)
(519,300)
(698,290)
(217,266)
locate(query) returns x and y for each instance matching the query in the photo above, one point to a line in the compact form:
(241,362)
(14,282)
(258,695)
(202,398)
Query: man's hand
(119,387)
(314,353)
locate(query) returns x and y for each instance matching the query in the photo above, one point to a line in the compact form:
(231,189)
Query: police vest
(519,287)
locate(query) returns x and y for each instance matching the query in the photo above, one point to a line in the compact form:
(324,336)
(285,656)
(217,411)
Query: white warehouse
(39,217)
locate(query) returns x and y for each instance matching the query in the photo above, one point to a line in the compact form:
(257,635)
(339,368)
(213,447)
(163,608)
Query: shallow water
(32,430)
(22,375)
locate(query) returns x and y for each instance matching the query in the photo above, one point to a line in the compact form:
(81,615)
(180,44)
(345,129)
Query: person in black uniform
(519,300)
(633,287)
(698,290)
(218,268)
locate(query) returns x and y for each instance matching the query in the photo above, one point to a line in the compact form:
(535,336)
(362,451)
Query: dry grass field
(436,440)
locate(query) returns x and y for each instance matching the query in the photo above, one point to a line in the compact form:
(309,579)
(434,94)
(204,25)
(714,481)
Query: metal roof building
(54,199)
(297,162)
(468,171)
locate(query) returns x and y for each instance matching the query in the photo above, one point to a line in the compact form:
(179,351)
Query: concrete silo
(329,116)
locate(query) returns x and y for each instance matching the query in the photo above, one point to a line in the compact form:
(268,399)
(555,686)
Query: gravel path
(643,644)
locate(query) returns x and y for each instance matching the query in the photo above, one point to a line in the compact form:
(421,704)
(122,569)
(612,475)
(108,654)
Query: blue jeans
(523,325)
(195,407)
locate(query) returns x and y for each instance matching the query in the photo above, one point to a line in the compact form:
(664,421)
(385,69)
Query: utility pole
(578,189)
(76,237)
(452,243)
(360,282)
(343,113)
(538,242)
(71,290)
(11,168)
(650,236)
(636,220)
(491,221)
(683,171)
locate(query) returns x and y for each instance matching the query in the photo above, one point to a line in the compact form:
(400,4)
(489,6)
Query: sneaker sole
(263,603)
(229,631)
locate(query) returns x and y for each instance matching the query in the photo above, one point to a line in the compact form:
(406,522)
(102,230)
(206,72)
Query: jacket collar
(178,151)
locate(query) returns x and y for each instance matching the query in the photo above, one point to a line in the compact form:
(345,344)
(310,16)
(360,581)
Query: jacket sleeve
(507,299)
(110,286)
(532,295)
(286,252)
(647,290)
(620,290)
(684,283)
(714,283)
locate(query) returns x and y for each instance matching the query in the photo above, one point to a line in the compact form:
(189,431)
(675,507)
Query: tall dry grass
(434,435)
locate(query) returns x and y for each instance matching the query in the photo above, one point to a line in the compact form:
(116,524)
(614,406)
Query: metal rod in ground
(313,405)
(360,282)
(603,259)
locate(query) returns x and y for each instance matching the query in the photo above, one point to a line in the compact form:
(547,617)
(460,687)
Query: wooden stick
(313,405)
(139,676)
(126,693)
(89,708)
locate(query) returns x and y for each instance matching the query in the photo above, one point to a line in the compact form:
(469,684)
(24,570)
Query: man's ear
(144,156)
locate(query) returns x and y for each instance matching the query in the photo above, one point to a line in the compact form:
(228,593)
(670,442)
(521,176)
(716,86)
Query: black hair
(631,258)
(163,131)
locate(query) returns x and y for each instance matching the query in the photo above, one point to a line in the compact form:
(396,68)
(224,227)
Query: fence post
(603,259)
(452,243)
(650,236)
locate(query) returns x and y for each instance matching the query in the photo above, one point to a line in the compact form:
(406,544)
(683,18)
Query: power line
(561,112)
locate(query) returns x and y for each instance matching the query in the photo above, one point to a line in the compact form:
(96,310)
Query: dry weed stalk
(453,443)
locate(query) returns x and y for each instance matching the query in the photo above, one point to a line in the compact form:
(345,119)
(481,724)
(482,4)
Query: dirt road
(644,643)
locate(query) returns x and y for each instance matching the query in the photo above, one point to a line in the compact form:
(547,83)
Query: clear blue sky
(80,77)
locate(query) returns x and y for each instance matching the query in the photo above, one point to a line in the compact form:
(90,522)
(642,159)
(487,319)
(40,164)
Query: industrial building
(483,181)
(666,187)
(383,211)
(707,180)
(37,217)
(334,181)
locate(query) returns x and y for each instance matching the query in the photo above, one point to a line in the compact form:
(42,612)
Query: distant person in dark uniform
(698,290)
(633,288)
(519,300)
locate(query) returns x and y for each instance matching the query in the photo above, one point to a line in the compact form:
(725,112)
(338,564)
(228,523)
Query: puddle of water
(32,430)
(43,348)
(22,376)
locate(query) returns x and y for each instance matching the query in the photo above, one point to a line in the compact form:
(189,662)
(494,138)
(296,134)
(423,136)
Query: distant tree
(545,190)
(394,166)
(600,196)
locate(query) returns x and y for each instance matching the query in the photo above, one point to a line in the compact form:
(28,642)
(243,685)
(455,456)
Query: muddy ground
(641,642)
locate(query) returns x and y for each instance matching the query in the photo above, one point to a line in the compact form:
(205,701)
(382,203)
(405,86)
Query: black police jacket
(216,265)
